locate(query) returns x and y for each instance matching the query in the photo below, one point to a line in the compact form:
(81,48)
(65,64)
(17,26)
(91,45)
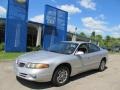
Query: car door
(84,58)
(89,58)
(94,56)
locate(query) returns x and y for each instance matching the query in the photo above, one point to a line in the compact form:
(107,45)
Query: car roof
(78,42)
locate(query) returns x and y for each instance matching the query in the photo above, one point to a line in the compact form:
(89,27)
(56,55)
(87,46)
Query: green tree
(82,34)
(108,42)
(93,34)
(99,38)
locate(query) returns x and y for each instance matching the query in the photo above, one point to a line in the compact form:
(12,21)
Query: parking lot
(91,80)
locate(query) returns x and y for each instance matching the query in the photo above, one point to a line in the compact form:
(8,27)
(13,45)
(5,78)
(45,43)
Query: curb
(7,60)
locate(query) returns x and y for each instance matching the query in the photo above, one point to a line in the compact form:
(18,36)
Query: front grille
(23,74)
(21,64)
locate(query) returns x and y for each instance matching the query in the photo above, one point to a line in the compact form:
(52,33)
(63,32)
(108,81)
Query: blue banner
(16,26)
(55,28)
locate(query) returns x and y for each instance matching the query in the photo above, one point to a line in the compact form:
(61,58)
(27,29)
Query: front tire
(61,76)
(102,65)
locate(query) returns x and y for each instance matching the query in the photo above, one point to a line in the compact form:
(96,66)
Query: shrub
(33,48)
(1,46)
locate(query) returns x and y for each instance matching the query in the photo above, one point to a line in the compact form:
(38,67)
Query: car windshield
(63,48)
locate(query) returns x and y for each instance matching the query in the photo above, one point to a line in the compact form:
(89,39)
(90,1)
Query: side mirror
(79,53)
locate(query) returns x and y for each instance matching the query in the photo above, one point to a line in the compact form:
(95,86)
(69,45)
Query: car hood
(39,56)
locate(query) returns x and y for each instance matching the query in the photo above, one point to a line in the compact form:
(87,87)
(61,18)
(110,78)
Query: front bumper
(37,75)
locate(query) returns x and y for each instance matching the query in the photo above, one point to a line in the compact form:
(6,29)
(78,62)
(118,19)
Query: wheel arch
(63,64)
(105,59)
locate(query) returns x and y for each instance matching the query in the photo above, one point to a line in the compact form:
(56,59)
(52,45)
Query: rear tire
(102,65)
(61,76)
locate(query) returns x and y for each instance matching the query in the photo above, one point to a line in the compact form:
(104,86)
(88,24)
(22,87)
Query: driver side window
(83,48)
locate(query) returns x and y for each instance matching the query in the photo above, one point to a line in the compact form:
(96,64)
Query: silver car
(61,61)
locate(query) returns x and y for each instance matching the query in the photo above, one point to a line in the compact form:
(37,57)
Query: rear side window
(93,48)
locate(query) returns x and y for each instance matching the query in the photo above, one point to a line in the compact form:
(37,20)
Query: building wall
(33,32)
(31,35)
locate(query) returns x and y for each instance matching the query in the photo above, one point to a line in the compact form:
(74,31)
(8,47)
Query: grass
(9,56)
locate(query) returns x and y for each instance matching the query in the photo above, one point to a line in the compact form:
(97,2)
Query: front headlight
(17,61)
(37,65)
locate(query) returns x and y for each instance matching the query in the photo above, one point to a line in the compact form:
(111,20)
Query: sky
(101,16)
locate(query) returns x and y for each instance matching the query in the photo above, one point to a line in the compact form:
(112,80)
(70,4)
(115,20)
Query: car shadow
(45,85)
(34,85)
(84,74)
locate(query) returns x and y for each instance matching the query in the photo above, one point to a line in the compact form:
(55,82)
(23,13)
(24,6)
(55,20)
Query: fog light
(33,76)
